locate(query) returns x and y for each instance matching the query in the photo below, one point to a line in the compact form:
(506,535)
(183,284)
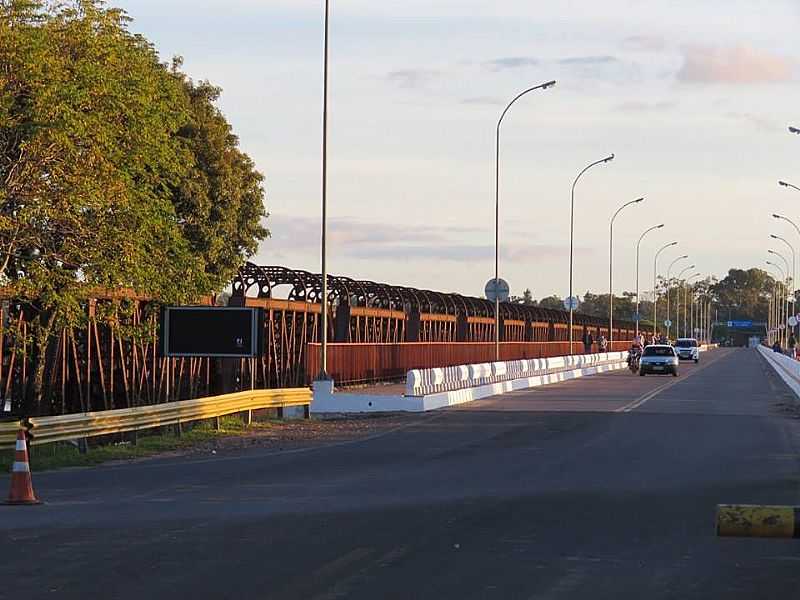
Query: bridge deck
(510,497)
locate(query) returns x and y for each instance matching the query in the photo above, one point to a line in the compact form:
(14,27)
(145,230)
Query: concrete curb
(787,368)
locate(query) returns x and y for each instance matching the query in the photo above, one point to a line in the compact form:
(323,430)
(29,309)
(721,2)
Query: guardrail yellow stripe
(745,520)
(44,430)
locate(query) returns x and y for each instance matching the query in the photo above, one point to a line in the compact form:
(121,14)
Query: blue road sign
(740,324)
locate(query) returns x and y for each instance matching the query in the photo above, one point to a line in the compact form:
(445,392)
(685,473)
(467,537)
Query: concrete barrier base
(327,400)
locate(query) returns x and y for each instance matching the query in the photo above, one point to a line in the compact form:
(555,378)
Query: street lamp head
(783,183)
(639,199)
(672,244)
(549,84)
(794,130)
(776,216)
(773,236)
(608,158)
(684,256)
(659,226)
(771,252)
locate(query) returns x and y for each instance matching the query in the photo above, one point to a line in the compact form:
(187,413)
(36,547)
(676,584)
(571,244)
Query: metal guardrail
(44,430)
(8,433)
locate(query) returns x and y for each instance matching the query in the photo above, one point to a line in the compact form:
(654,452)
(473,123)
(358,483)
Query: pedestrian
(776,347)
(792,343)
(602,343)
(588,340)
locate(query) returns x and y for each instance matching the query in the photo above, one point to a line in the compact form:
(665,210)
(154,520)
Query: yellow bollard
(743,520)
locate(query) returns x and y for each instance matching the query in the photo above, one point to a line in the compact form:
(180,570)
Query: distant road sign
(571,303)
(496,289)
(792,321)
(667,323)
(740,324)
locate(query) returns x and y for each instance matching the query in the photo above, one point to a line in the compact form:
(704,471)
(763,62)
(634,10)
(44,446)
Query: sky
(693,98)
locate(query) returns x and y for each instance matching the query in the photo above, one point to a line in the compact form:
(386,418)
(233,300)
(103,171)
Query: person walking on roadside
(602,344)
(792,343)
(776,347)
(588,340)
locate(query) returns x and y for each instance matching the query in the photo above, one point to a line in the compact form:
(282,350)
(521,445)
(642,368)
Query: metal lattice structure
(370,312)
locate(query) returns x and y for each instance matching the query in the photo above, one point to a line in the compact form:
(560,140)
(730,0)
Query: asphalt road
(602,487)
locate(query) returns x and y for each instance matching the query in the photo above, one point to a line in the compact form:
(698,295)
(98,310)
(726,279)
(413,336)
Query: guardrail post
(248,419)
(279,411)
(306,411)
(216,423)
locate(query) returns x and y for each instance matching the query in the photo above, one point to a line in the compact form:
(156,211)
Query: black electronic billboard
(209,331)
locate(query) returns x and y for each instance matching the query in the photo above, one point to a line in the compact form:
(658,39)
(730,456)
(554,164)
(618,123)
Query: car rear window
(687,343)
(658,351)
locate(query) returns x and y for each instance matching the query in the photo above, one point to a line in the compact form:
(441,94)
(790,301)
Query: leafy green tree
(220,200)
(115,170)
(744,294)
(526,298)
(552,302)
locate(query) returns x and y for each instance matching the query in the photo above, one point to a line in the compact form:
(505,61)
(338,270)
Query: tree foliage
(116,170)
(744,294)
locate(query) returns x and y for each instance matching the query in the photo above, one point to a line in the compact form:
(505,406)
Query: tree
(526,298)
(744,294)
(552,302)
(101,147)
(220,200)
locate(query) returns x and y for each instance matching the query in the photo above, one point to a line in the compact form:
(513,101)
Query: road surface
(602,487)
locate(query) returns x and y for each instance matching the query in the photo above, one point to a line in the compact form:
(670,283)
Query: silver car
(687,349)
(659,359)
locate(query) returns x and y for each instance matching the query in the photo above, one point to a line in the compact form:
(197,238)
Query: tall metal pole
(638,246)
(686,295)
(669,270)
(655,288)
(571,239)
(324,350)
(678,301)
(611,272)
(797,229)
(542,86)
(779,308)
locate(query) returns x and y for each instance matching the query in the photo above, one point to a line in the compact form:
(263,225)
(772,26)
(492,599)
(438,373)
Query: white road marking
(653,393)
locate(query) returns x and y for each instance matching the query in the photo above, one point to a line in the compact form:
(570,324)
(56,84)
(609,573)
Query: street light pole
(669,270)
(678,301)
(323,374)
(797,229)
(794,263)
(542,86)
(611,272)
(655,292)
(607,159)
(638,245)
(778,307)
(686,295)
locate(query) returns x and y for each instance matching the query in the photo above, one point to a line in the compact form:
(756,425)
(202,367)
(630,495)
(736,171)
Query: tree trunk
(35,392)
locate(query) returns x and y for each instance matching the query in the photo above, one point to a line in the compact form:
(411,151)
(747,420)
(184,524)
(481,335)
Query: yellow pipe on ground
(744,520)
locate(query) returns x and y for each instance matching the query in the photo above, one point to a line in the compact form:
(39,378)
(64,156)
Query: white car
(688,349)
(659,359)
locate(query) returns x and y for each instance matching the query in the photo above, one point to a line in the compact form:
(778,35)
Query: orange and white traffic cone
(21,485)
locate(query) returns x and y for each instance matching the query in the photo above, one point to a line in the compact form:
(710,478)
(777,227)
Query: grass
(61,454)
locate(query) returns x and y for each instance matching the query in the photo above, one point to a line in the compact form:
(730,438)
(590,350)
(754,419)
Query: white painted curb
(786,367)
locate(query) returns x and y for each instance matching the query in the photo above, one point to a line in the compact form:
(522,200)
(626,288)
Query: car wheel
(696,360)
(641,373)
(675,373)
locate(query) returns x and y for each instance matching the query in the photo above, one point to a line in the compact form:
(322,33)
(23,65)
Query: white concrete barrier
(786,367)
(429,389)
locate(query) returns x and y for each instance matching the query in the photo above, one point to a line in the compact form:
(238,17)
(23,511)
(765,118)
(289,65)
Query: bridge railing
(364,363)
